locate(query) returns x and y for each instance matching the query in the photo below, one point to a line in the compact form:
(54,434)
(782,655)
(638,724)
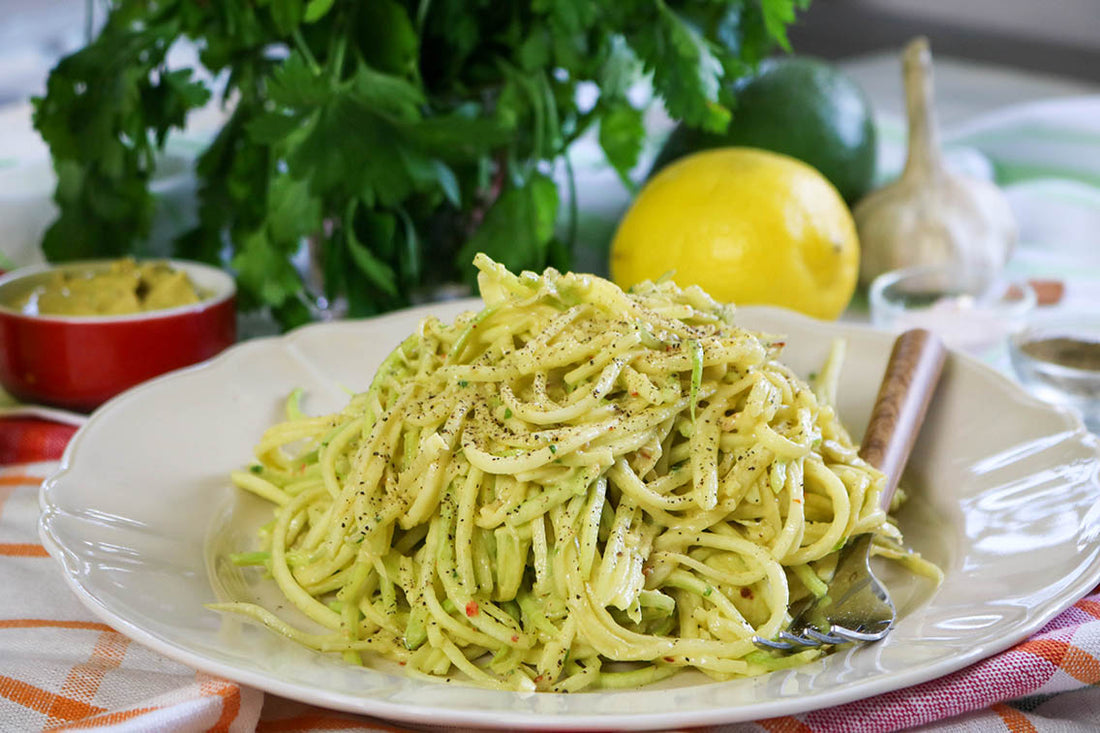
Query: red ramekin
(79,362)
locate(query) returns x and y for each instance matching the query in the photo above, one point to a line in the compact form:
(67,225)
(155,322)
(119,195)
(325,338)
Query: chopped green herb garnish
(696,373)
(246,559)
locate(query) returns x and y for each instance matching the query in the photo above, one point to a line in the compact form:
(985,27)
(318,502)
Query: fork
(857,607)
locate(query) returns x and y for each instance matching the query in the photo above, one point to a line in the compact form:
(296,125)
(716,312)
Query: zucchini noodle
(573,488)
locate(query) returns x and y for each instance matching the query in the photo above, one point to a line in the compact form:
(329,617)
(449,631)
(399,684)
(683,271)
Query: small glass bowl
(1057,358)
(942,300)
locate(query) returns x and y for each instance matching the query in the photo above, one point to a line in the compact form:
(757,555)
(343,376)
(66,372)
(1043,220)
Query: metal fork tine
(773,644)
(797,640)
(833,637)
(847,634)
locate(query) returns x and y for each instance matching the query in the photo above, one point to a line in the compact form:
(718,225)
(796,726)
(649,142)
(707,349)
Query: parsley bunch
(395,137)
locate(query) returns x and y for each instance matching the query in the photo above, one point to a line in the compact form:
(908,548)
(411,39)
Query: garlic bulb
(930,216)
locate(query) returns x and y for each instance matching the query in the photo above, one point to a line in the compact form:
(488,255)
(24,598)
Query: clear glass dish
(942,300)
(1057,358)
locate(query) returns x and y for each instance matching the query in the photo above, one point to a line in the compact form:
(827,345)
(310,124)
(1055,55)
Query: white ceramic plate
(141,514)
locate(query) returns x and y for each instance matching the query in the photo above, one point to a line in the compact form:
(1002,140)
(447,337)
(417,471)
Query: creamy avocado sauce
(124,287)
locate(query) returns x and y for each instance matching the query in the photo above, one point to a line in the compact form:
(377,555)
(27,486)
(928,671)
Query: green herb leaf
(286,14)
(270,128)
(317,9)
(386,95)
(518,229)
(409,254)
(379,227)
(778,14)
(264,269)
(295,84)
(622,135)
(685,69)
(387,37)
(458,138)
(620,72)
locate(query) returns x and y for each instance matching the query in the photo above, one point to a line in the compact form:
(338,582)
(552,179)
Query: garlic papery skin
(932,216)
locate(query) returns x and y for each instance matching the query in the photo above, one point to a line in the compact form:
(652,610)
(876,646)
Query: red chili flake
(797,501)
(538,679)
(471,609)
(670,660)
(633,394)
(515,639)
(746,592)
(402,663)
(647,570)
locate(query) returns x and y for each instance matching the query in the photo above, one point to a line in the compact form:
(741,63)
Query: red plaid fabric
(28,439)
(61,669)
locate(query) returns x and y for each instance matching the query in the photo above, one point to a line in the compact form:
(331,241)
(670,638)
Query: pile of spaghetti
(574,487)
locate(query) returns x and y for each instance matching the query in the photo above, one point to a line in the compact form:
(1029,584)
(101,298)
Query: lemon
(748,226)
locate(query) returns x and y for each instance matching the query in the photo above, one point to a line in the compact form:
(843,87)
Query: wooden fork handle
(903,397)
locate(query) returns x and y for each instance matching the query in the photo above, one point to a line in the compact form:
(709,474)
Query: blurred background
(34,34)
(1053,37)
(1060,37)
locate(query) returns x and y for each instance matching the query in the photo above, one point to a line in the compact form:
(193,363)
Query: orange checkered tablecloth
(61,669)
